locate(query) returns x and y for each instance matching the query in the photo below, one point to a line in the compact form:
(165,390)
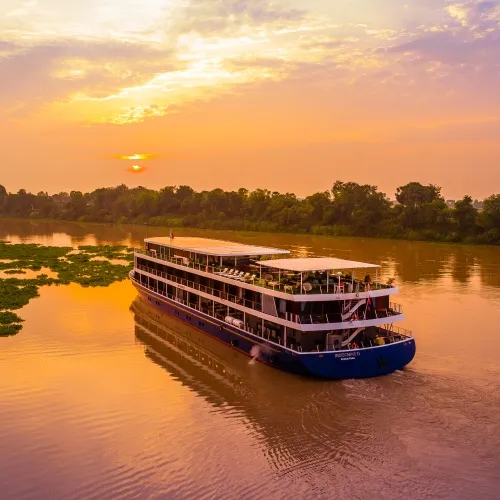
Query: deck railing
(284,286)
(306,319)
(390,335)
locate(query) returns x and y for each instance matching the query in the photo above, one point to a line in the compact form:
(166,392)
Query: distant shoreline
(420,213)
(168,227)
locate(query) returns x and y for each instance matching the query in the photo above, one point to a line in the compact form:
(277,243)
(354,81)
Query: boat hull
(355,363)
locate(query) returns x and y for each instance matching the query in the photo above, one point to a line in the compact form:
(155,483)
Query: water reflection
(354,437)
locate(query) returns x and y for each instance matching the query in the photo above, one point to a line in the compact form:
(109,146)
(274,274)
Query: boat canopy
(315,264)
(219,248)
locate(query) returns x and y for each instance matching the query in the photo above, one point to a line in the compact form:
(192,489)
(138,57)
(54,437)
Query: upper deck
(214,248)
(239,263)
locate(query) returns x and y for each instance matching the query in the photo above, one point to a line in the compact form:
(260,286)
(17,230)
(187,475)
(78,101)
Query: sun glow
(135,156)
(136,168)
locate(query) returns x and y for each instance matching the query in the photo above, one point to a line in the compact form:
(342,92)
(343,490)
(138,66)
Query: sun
(136,168)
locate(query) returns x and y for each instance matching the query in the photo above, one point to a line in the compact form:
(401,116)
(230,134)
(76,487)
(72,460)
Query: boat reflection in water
(212,367)
(350,437)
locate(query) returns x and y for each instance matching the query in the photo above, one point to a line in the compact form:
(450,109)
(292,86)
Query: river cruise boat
(323,317)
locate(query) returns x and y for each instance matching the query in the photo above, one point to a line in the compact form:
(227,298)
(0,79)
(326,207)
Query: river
(101,397)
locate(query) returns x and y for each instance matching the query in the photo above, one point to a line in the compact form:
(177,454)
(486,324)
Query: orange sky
(288,96)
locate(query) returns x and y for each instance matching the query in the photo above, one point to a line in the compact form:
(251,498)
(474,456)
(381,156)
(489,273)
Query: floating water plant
(71,267)
(16,293)
(10,323)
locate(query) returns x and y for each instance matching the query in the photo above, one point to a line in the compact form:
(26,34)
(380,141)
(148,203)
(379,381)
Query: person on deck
(368,280)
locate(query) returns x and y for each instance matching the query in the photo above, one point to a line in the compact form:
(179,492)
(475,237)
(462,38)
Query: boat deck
(315,282)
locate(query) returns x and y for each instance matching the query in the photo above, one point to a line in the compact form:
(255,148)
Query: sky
(288,96)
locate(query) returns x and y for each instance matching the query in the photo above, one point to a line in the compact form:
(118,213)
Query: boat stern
(360,363)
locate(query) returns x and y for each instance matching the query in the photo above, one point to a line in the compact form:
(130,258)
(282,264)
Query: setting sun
(136,168)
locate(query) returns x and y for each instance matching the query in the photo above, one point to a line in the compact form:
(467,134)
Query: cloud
(451,48)
(37,74)
(8,46)
(213,48)
(476,13)
(239,63)
(328,42)
(473,39)
(222,17)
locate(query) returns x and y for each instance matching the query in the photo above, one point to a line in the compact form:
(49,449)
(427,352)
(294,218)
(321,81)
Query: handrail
(399,331)
(319,288)
(306,319)
(203,288)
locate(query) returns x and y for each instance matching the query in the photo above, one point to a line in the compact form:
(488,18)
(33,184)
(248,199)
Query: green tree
(76,205)
(3,198)
(490,216)
(422,209)
(465,217)
(414,194)
(489,220)
(320,204)
(360,207)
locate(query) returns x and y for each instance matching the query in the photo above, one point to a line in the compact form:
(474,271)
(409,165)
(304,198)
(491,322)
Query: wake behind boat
(310,316)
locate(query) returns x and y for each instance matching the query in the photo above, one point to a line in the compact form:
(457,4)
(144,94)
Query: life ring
(354,345)
(357,295)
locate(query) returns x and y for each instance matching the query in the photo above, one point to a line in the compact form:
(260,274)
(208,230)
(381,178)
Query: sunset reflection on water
(102,396)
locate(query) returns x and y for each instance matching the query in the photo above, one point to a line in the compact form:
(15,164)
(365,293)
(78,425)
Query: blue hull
(356,363)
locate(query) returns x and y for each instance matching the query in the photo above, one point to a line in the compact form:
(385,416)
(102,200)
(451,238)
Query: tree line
(348,209)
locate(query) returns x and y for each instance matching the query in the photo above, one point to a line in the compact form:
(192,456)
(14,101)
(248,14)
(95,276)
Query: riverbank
(220,227)
(418,213)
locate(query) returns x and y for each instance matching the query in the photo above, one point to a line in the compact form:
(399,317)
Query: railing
(400,331)
(333,287)
(258,332)
(393,310)
(203,288)
(391,334)
(396,308)
(306,319)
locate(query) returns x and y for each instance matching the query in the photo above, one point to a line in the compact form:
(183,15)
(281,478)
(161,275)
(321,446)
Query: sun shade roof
(219,248)
(315,264)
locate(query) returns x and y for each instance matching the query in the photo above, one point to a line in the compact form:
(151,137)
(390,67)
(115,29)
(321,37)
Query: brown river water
(102,397)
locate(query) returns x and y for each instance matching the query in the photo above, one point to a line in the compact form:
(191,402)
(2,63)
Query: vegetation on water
(71,266)
(348,209)
(10,323)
